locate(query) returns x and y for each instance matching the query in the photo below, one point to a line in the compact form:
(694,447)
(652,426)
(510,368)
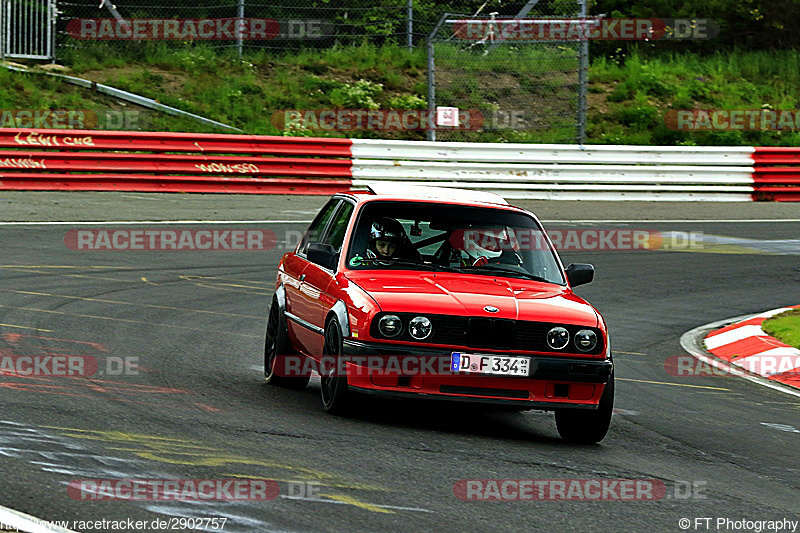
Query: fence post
(520,15)
(432,75)
(239,24)
(431,91)
(583,76)
(113,10)
(2,30)
(410,25)
(52,13)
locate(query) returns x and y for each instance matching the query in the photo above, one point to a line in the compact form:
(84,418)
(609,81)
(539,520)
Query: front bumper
(554,382)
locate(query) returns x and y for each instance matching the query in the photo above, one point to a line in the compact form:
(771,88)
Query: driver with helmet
(387,240)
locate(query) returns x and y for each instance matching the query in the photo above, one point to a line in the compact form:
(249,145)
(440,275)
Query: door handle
(302,277)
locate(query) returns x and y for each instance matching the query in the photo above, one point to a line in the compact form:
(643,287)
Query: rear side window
(314,232)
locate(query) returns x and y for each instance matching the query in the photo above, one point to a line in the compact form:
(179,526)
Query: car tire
(276,346)
(587,427)
(336,399)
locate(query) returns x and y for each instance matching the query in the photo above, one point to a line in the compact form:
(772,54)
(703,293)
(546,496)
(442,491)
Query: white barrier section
(562,171)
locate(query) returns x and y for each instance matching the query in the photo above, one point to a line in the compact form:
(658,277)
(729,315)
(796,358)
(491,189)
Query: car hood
(456,294)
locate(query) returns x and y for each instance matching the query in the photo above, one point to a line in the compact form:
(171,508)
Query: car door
(315,287)
(295,266)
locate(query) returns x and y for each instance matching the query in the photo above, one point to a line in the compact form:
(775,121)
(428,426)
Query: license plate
(490,364)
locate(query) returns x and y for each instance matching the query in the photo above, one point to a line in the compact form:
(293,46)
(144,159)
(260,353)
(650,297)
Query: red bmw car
(443,294)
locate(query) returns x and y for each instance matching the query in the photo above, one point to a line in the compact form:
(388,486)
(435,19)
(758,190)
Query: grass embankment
(39,92)
(245,93)
(628,98)
(785,327)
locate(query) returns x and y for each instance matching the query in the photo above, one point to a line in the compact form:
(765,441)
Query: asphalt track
(198,407)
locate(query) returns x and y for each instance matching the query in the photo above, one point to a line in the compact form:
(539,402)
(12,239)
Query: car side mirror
(325,255)
(580,273)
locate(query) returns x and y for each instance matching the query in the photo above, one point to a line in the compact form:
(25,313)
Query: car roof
(401,191)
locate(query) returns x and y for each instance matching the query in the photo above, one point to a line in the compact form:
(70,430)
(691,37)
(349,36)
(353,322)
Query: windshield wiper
(500,268)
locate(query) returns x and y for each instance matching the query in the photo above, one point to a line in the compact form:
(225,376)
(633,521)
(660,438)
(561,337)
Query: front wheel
(336,399)
(587,427)
(277,346)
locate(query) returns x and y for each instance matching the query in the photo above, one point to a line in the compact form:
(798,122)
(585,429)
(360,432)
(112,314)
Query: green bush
(621,93)
(360,95)
(407,101)
(638,116)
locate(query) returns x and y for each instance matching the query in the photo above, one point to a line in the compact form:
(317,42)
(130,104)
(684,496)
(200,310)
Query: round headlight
(557,338)
(390,326)
(420,327)
(585,340)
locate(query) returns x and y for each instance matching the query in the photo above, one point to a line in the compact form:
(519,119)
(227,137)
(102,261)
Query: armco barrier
(149,183)
(178,164)
(777,174)
(185,162)
(172,142)
(172,162)
(557,171)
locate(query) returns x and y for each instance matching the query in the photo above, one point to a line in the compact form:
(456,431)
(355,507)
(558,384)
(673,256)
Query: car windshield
(464,239)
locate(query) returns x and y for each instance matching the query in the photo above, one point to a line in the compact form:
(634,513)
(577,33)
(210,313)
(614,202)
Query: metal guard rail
(189,162)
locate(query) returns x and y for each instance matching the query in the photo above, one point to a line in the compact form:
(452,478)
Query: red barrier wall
(91,160)
(777,174)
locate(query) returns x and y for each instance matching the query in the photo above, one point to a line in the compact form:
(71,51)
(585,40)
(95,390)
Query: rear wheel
(276,347)
(336,399)
(587,427)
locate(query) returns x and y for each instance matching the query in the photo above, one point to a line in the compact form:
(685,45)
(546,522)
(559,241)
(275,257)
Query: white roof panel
(437,193)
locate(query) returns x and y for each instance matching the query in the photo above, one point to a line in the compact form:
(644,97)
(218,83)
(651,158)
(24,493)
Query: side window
(339,226)
(314,232)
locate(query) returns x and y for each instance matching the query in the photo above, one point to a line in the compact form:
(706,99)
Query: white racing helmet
(489,242)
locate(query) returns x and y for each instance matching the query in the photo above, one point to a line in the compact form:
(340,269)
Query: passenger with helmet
(489,246)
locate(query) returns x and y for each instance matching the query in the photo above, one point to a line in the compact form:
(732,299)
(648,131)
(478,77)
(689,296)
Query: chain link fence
(517,77)
(502,84)
(239,24)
